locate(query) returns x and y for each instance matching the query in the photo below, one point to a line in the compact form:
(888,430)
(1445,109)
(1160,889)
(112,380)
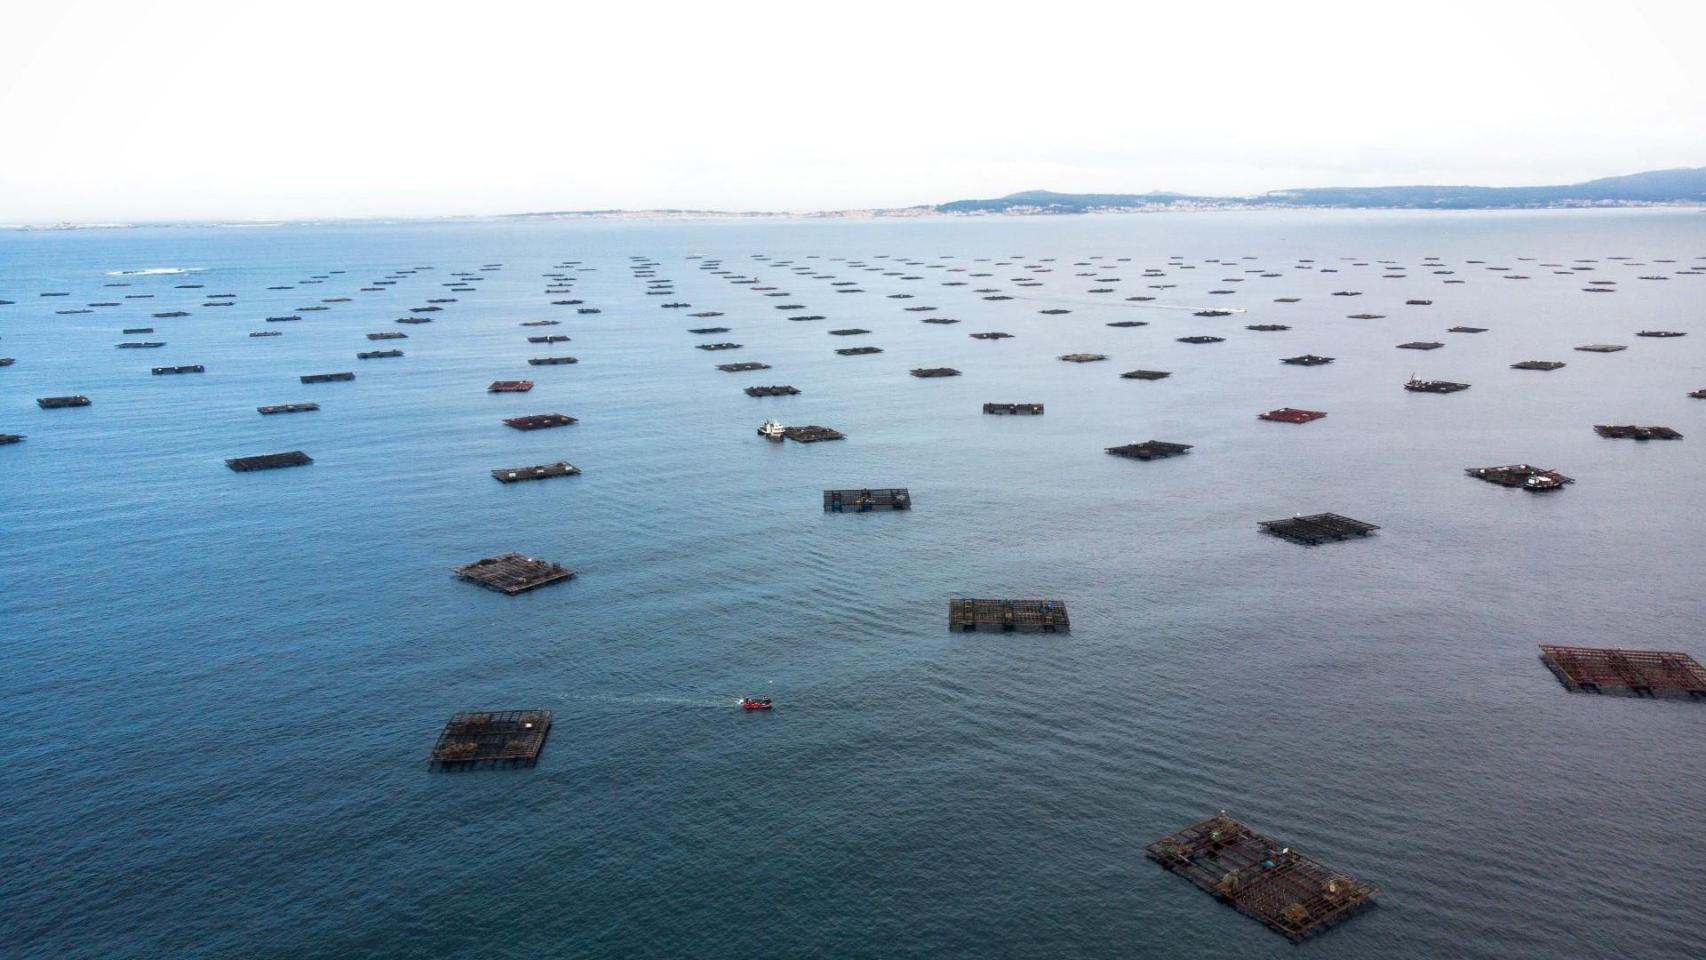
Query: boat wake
(154,271)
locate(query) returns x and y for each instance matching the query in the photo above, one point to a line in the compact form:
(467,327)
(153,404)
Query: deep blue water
(220,688)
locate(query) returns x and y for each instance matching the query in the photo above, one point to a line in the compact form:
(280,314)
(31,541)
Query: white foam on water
(154,271)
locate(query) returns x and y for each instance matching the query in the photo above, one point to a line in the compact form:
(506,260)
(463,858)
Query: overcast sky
(183,109)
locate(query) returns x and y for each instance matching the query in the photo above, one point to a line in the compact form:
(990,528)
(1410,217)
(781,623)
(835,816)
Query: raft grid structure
(1318,528)
(1630,673)
(509,736)
(1288,892)
(1024,616)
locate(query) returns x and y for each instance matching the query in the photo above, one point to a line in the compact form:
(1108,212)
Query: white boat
(772,430)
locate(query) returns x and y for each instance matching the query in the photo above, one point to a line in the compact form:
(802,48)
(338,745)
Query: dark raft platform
(270,461)
(517,474)
(1150,450)
(866,500)
(811,433)
(540,421)
(1534,479)
(1290,893)
(1633,432)
(509,736)
(1024,616)
(1317,528)
(1031,409)
(513,573)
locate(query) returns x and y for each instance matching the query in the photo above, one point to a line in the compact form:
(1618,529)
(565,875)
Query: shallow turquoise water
(222,686)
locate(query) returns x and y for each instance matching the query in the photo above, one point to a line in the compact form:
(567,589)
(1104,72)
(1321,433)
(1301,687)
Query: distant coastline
(1683,187)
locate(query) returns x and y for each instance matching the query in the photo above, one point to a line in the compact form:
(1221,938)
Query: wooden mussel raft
(866,500)
(749,365)
(1317,528)
(1291,415)
(510,386)
(270,461)
(1538,365)
(287,408)
(513,573)
(1082,357)
(141,344)
(1630,673)
(551,338)
(1150,450)
(858,351)
(540,421)
(1267,327)
(388,335)
(182,368)
(991,335)
(1307,360)
(1023,616)
(561,468)
(812,433)
(1290,893)
(1466,330)
(377,354)
(1433,386)
(1146,375)
(1602,347)
(1632,432)
(551,361)
(928,372)
(1661,333)
(1421,345)
(777,390)
(1534,479)
(1033,409)
(6,438)
(510,736)
(52,403)
(326,377)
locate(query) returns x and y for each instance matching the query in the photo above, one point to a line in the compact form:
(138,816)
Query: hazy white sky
(183,109)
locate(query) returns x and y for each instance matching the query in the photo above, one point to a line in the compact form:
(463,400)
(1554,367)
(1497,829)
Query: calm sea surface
(220,688)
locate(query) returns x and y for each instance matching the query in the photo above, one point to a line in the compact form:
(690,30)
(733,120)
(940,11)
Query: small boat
(772,430)
(755,703)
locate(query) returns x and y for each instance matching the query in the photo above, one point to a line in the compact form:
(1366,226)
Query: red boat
(755,703)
